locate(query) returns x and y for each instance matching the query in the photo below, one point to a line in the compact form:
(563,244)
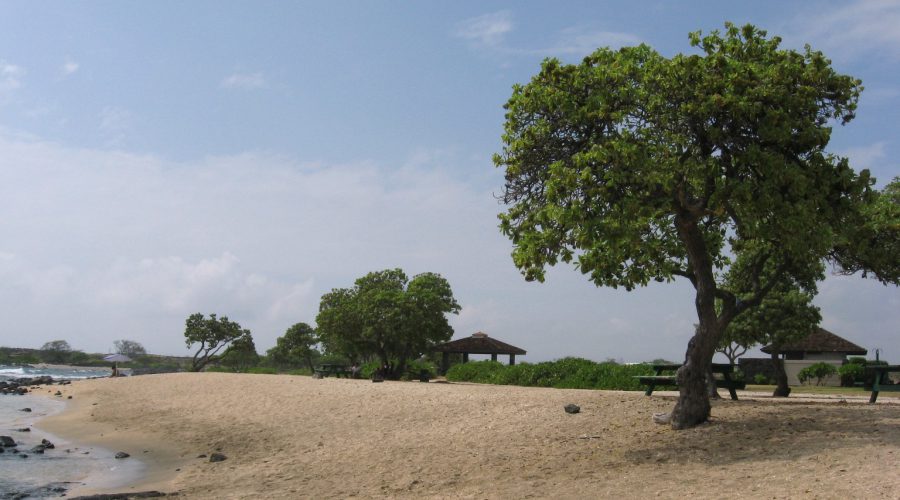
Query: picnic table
(337,370)
(881,376)
(724,369)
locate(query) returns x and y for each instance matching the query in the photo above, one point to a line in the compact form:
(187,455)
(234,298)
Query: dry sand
(297,437)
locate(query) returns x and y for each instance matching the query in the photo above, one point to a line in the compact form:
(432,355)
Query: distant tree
(213,335)
(241,354)
(130,348)
(785,315)
(643,168)
(387,316)
(732,351)
(295,346)
(56,351)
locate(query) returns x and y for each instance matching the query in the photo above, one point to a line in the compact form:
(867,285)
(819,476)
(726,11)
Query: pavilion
(818,345)
(478,343)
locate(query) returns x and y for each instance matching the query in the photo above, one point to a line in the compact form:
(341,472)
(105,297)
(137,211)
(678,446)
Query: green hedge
(566,373)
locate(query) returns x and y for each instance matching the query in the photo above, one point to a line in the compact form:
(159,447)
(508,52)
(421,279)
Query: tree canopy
(296,345)
(213,335)
(56,351)
(241,354)
(637,168)
(387,316)
(130,348)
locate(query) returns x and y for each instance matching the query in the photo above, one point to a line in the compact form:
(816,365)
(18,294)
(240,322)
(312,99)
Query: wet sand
(298,437)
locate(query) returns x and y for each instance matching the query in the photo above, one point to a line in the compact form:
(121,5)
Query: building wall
(792,368)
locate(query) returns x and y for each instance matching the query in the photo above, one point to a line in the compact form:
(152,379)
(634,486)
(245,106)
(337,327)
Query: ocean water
(57,372)
(64,467)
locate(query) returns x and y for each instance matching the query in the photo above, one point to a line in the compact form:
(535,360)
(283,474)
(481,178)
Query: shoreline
(287,437)
(74,424)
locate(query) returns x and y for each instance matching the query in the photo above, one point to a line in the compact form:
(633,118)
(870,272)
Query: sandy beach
(298,437)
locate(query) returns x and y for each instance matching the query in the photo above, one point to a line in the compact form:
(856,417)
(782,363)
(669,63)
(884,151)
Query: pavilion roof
(479,343)
(821,340)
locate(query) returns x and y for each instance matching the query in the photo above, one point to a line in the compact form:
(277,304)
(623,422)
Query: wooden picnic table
(725,369)
(881,376)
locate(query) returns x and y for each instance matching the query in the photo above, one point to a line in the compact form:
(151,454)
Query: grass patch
(818,389)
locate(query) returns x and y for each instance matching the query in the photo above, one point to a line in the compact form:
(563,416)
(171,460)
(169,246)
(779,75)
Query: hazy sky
(163,158)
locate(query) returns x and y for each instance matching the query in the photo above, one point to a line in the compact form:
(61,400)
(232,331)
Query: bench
(726,382)
(881,376)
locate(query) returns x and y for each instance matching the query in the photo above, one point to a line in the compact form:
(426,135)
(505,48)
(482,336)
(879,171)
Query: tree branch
(686,274)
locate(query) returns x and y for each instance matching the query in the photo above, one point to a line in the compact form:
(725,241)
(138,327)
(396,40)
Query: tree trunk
(781,381)
(693,406)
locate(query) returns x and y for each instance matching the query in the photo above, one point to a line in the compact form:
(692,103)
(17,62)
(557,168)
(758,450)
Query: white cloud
(486,30)
(10,78)
(244,81)
(489,31)
(861,26)
(69,67)
(102,245)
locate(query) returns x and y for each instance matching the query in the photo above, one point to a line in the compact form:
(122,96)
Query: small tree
(56,351)
(241,354)
(213,335)
(785,315)
(295,346)
(130,348)
(732,350)
(818,371)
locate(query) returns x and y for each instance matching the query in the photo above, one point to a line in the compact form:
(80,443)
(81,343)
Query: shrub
(851,373)
(367,370)
(761,379)
(818,371)
(478,371)
(566,373)
(416,367)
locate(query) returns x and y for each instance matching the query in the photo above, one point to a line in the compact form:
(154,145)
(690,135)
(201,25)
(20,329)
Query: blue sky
(164,158)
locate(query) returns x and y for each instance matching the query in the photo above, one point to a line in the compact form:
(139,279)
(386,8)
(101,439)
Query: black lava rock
(217,457)
(122,454)
(572,409)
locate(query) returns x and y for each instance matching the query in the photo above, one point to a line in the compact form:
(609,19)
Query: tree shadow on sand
(774,432)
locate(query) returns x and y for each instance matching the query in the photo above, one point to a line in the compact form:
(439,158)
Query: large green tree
(639,168)
(387,316)
(298,344)
(212,334)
